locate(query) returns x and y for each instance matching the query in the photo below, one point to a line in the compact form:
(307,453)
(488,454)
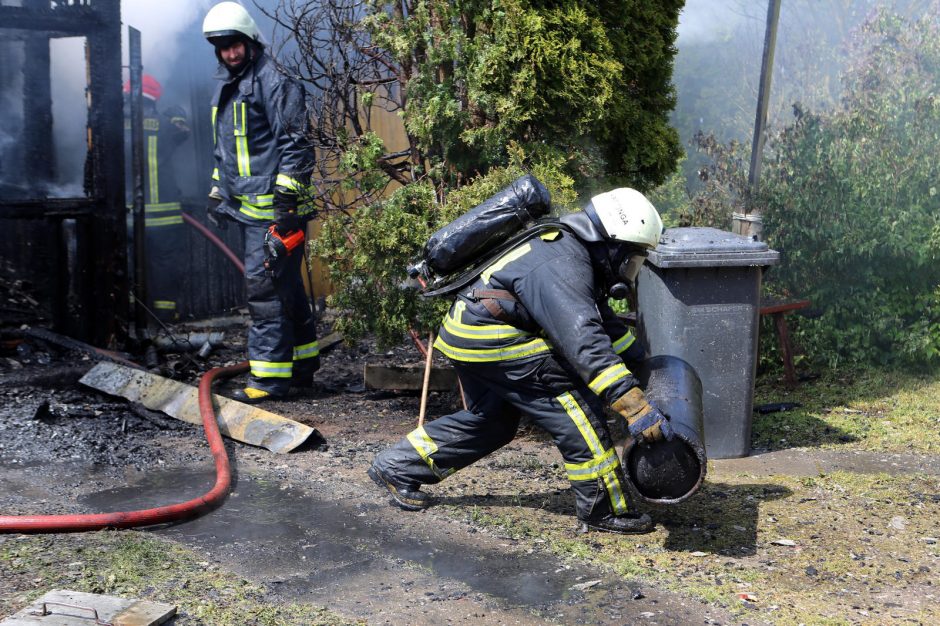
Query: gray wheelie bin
(698,299)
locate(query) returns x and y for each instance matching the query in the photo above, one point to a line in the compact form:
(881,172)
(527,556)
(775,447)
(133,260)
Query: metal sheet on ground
(237,420)
(75,608)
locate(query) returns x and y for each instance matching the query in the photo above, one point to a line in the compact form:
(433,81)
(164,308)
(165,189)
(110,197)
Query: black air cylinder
(669,472)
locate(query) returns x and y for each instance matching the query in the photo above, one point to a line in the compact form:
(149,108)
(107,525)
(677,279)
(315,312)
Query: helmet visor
(630,268)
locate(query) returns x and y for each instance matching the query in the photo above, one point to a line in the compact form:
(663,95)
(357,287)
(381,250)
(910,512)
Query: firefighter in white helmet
(535,335)
(263,161)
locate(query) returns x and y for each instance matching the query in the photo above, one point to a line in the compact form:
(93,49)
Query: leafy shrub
(850,200)
(367,252)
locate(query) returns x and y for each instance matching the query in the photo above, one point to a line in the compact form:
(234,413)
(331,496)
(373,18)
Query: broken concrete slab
(76,608)
(408,377)
(237,420)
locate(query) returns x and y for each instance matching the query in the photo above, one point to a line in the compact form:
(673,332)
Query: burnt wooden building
(71,243)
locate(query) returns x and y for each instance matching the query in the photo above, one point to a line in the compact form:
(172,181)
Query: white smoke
(161,25)
(703,21)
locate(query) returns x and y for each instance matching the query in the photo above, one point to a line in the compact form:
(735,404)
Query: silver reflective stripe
(624,342)
(307,351)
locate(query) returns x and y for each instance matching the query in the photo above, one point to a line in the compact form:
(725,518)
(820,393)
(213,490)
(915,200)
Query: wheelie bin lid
(709,247)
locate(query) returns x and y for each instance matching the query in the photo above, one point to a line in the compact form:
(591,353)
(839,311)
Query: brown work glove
(644,420)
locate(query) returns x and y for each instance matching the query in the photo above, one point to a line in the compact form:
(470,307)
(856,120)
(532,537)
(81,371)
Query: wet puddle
(348,555)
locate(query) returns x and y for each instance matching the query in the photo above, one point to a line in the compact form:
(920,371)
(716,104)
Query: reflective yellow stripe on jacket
(153,170)
(623,344)
(518,351)
(256,209)
(240,123)
(608,377)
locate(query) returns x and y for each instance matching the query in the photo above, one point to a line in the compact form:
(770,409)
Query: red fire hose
(159,515)
(189,219)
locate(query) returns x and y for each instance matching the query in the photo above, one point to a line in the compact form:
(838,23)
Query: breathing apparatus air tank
(669,472)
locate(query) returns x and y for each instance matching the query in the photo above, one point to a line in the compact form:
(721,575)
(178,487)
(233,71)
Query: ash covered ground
(791,536)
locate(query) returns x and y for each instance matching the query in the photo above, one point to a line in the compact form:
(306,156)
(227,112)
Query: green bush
(850,200)
(368,251)
(485,91)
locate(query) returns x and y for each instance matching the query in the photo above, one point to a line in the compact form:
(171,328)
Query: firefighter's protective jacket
(163,133)
(259,121)
(559,306)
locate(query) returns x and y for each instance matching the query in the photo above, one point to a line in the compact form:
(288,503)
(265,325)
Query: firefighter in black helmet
(534,335)
(262,168)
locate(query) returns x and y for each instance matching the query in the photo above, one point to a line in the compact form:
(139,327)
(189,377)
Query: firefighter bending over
(534,334)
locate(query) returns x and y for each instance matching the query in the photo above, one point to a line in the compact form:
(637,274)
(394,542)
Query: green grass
(134,565)
(848,563)
(864,544)
(869,409)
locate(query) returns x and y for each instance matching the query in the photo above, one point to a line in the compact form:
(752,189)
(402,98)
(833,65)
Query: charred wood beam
(63,208)
(64,21)
(39,159)
(105,180)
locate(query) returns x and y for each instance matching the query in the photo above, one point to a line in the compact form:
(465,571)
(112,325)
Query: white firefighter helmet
(628,216)
(229,19)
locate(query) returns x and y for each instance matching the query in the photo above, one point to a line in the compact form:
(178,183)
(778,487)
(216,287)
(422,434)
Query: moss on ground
(838,548)
(883,410)
(835,549)
(134,565)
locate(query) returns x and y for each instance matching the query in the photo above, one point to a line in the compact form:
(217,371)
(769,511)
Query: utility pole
(751,223)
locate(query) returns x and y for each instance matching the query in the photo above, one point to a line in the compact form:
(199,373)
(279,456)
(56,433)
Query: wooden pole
(427,379)
(750,223)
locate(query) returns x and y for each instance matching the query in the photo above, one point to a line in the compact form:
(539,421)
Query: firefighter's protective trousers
(552,350)
(282,340)
(497,394)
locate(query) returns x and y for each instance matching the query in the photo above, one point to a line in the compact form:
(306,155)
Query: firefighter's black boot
(626,524)
(409,498)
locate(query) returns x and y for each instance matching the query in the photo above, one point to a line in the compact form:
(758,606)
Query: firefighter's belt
(489,298)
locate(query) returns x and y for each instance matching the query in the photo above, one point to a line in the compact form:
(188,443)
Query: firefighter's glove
(644,420)
(285,211)
(214,212)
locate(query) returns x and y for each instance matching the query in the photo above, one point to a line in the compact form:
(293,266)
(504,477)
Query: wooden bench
(778,311)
